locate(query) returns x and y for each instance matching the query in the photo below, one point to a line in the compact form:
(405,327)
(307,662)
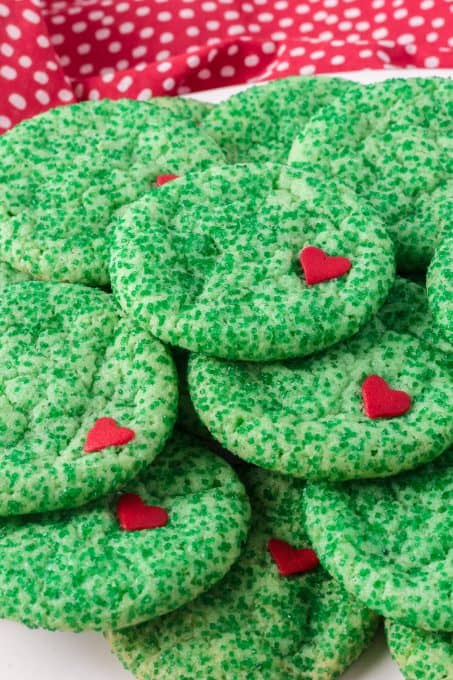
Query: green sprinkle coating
(260,124)
(389,541)
(78,570)
(440,287)
(392,142)
(67,358)
(8,275)
(189,108)
(256,623)
(211,262)
(420,654)
(305,417)
(66,173)
(188,419)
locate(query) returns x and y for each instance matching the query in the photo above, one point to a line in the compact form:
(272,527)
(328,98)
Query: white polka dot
(141,66)
(416,21)
(126,27)
(102,34)
(5,122)
(31,16)
(164,16)
(57,39)
(94,95)
(438,23)
(95,15)
(331,19)
(107,75)
(345,25)
(212,25)
(114,47)
(352,13)
(379,33)
(168,84)
(427,4)
(236,29)
(302,9)
(286,22)
(432,62)
(193,61)
(265,17)
(139,51)
(208,6)
(122,7)
(51,65)
(283,66)
(164,66)
(326,35)
(268,47)
(84,48)
(166,38)
(122,64)
(297,51)
(338,43)
(432,37)
(58,19)
(362,25)
(365,54)
(74,10)
(8,72)
(307,70)
(146,32)
(86,69)
(212,55)
(231,15)
(251,60)
(255,28)
(162,55)
(43,41)
(400,13)
(79,90)
(6,49)
(79,27)
(337,60)
(108,21)
(41,77)
(192,31)
(320,16)
(145,94)
(186,13)
(4,10)
(227,71)
(377,4)
(25,61)
(405,39)
(411,48)
(13,31)
(42,96)
(124,84)
(204,74)
(247,7)
(379,18)
(142,12)
(17,101)
(64,95)
(383,56)
(306,27)
(278,35)
(65,60)
(317,54)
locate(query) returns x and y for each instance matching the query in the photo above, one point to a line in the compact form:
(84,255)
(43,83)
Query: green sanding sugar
(8,275)
(420,654)
(256,623)
(188,419)
(260,124)
(78,569)
(184,107)
(389,542)
(211,262)
(392,142)
(306,417)
(67,358)
(440,287)
(66,173)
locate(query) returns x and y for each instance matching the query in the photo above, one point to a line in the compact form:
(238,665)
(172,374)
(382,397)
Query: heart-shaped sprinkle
(106,432)
(134,515)
(291,560)
(163,179)
(380,401)
(318,266)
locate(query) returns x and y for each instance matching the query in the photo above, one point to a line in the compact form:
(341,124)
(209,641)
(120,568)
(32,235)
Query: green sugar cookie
(260,124)
(392,142)
(188,419)
(440,287)
(67,360)
(420,654)
(91,568)
(184,107)
(256,623)
(66,173)
(389,541)
(307,417)
(8,275)
(223,277)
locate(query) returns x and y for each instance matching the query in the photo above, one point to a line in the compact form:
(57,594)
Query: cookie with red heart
(373,405)
(276,614)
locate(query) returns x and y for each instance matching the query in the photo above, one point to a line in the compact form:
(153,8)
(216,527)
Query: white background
(39,655)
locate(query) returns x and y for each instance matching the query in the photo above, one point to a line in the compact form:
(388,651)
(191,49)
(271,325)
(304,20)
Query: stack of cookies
(226,378)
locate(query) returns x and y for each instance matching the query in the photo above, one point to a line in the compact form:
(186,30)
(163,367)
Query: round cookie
(68,361)
(224,278)
(392,142)
(306,417)
(420,654)
(260,124)
(389,541)
(91,568)
(8,275)
(66,173)
(440,287)
(256,623)
(185,107)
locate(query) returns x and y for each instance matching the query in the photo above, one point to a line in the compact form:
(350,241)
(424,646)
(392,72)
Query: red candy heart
(134,515)
(106,432)
(163,179)
(318,266)
(291,560)
(380,401)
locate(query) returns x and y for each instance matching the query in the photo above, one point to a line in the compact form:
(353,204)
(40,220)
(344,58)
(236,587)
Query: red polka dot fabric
(55,52)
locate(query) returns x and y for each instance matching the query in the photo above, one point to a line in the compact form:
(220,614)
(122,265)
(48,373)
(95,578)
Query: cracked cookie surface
(211,263)
(306,418)
(67,358)
(78,569)
(66,173)
(255,623)
(389,541)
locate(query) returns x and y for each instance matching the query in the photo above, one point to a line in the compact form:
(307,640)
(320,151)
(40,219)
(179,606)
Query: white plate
(39,655)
